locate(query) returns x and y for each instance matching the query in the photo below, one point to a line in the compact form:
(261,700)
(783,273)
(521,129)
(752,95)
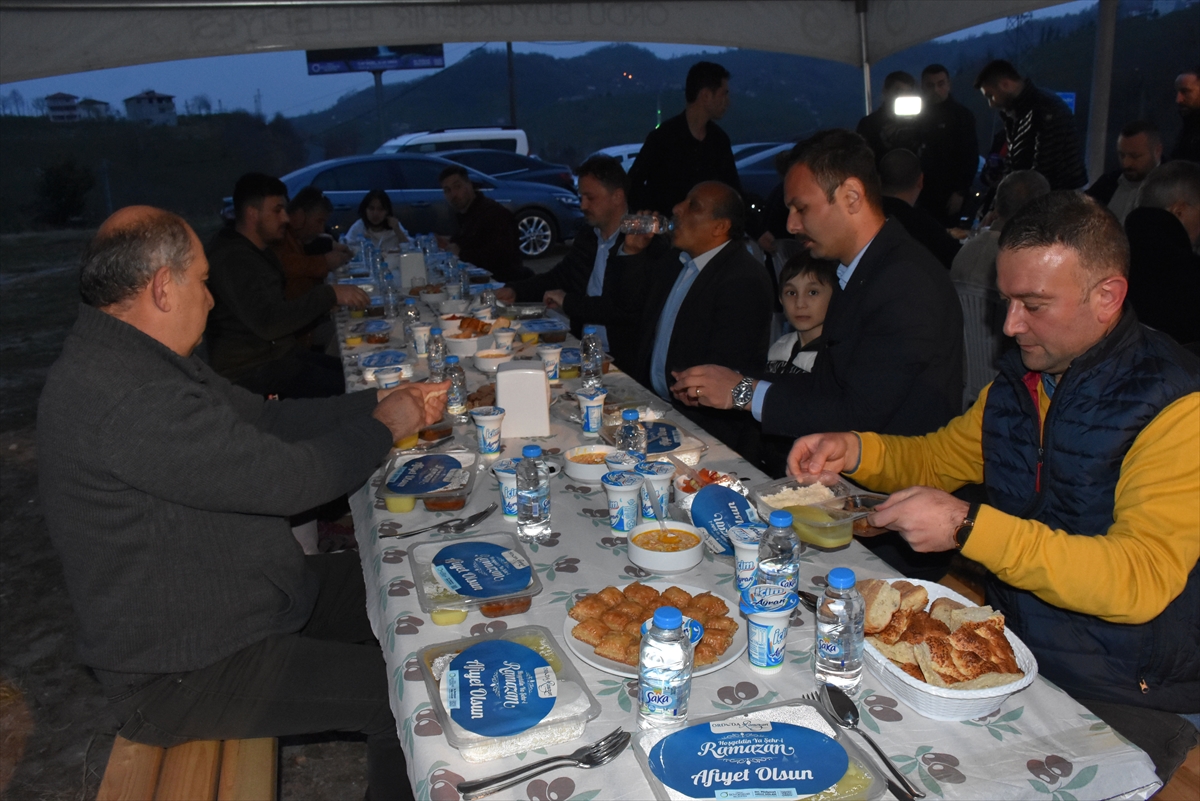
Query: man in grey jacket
(167,493)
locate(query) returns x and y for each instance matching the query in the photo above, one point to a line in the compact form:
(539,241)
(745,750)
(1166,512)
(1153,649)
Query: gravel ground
(55,737)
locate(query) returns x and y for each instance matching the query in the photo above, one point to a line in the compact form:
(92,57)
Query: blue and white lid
(623,479)
(571,355)
(716,509)
(498,688)
(662,438)
(377,326)
(591,394)
(428,473)
(745,535)
(655,469)
(384,358)
(481,569)
(507,466)
(624,459)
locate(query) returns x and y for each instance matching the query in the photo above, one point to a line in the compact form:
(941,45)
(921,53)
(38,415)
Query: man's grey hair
(1017,189)
(1170,183)
(118,264)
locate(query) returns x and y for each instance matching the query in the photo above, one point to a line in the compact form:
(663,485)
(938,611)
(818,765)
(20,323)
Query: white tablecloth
(1039,744)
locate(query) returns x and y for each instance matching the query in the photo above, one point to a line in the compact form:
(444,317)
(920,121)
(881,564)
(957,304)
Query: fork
(598,753)
(900,791)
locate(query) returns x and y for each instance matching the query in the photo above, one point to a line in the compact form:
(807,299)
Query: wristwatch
(743,393)
(966,526)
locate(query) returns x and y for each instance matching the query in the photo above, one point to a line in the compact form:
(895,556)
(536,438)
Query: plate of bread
(604,628)
(939,653)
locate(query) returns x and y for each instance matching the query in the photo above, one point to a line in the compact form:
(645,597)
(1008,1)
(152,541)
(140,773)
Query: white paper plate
(588,655)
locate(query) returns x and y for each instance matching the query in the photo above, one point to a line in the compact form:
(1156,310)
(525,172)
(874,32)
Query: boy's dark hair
(898,78)
(252,189)
(607,170)
(995,72)
(454,169)
(804,263)
(836,154)
(703,75)
(934,69)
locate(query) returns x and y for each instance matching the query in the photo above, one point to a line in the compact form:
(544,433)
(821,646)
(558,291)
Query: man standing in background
(950,156)
(1187,98)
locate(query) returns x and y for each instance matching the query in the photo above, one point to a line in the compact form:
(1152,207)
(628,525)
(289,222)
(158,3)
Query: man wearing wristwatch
(1088,442)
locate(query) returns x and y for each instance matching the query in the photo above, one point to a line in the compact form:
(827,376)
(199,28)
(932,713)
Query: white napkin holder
(407,265)
(523,392)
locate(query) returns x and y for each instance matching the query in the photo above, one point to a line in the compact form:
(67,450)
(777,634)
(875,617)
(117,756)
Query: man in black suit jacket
(894,356)
(711,303)
(902,183)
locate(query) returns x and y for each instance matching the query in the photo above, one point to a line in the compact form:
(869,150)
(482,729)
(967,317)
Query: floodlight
(907,106)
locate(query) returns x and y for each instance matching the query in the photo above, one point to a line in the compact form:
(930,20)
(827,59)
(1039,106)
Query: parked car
(512,140)
(513,167)
(626,154)
(544,214)
(745,151)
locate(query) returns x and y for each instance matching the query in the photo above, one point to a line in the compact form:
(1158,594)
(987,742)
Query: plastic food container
(770,723)
(443,481)
(546,681)
(584,471)
(823,522)
(377,332)
(488,572)
(663,438)
(384,358)
(943,703)
(661,561)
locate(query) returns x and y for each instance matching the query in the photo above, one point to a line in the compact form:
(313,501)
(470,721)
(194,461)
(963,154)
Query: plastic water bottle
(631,437)
(646,224)
(464,281)
(591,358)
(665,671)
(838,654)
(456,396)
(533,496)
(437,356)
(409,317)
(779,552)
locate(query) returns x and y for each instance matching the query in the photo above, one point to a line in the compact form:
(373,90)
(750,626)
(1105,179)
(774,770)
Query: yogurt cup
(504,338)
(624,492)
(769,608)
(591,410)
(505,471)
(388,377)
(622,461)
(551,356)
(487,428)
(420,334)
(745,541)
(658,480)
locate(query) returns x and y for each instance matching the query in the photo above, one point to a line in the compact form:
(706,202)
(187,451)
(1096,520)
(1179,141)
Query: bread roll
(941,609)
(913,597)
(882,600)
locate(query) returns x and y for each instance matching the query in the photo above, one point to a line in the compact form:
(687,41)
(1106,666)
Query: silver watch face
(743,393)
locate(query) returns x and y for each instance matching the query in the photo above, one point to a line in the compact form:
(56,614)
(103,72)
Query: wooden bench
(202,770)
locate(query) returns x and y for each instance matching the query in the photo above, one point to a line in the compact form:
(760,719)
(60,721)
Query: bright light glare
(907,106)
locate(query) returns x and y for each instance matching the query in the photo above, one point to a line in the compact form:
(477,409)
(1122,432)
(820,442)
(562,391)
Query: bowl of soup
(677,550)
(586,463)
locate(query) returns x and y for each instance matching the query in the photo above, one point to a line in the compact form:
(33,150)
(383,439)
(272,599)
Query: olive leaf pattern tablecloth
(1040,744)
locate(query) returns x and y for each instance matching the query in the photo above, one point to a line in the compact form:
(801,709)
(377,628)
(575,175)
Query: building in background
(62,107)
(151,107)
(90,109)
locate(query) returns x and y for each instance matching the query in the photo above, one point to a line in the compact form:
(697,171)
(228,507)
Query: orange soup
(673,540)
(590,458)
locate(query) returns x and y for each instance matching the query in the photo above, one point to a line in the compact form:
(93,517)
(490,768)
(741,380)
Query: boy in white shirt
(805,287)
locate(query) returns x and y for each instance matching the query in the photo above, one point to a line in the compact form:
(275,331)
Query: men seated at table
(893,333)
(711,303)
(1139,150)
(901,182)
(976,260)
(597,282)
(486,233)
(197,609)
(1089,444)
(308,212)
(251,333)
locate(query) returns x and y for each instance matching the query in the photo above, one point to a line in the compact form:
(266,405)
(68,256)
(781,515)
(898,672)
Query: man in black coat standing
(711,304)
(894,337)
(688,148)
(902,183)
(950,148)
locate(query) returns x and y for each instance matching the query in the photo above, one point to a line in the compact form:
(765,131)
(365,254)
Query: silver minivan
(511,140)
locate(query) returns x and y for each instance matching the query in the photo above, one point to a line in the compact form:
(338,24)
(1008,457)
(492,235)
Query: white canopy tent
(54,37)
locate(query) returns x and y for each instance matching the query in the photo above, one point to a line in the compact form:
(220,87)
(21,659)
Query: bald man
(171,493)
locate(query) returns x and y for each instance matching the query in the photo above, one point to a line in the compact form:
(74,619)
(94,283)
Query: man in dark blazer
(711,303)
(894,355)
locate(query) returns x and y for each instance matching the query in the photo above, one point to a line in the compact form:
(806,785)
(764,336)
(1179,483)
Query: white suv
(512,140)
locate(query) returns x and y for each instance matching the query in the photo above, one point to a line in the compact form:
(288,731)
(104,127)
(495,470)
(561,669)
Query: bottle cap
(781,519)
(590,329)
(435,332)
(668,617)
(841,578)
(629,414)
(534,451)
(452,359)
(410,301)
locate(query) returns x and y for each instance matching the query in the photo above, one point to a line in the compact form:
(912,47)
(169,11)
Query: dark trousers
(301,374)
(329,676)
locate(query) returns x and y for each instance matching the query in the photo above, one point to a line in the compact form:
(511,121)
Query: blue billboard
(371,59)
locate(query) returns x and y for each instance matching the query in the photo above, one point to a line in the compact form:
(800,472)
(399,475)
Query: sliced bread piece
(941,608)
(882,600)
(975,614)
(913,597)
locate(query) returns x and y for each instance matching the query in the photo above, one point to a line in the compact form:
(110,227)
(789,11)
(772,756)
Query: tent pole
(860,6)
(1097,138)
(381,129)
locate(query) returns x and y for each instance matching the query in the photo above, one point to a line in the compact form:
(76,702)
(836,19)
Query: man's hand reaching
(411,407)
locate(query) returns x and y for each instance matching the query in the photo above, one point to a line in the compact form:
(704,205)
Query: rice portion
(799,496)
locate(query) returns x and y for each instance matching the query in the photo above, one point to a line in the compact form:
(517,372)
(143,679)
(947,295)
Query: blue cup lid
(668,617)
(781,519)
(590,329)
(841,578)
(435,332)
(531,451)
(629,414)
(655,469)
(622,479)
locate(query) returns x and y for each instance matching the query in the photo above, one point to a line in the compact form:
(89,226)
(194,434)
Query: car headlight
(568,200)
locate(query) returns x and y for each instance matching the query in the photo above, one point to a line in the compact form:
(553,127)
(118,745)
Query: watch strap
(966,526)
(743,392)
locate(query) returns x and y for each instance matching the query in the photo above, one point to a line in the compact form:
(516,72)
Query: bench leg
(248,770)
(189,772)
(132,772)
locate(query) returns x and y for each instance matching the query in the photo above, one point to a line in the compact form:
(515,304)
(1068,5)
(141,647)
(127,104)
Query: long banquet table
(1039,744)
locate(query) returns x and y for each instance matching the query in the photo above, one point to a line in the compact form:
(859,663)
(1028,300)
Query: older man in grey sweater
(167,490)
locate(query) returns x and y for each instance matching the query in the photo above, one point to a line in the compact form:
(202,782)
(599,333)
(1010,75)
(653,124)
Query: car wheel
(536,232)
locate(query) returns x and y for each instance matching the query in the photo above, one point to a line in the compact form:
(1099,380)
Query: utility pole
(512,89)
(379,104)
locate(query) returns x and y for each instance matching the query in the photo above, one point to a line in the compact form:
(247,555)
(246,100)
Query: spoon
(845,713)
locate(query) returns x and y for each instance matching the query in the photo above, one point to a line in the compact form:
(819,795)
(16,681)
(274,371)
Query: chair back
(983,336)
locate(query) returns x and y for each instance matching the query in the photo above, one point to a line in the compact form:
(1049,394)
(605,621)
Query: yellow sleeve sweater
(1127,575)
